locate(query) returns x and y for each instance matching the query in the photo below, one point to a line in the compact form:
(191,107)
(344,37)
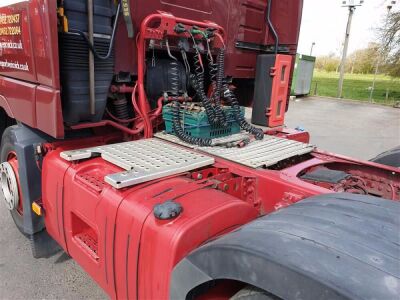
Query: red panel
(279,94)
(28,33)
(16,51)
(20,97)
(206,214)
(45,41)
(49,111)
(53,173)
(29,53)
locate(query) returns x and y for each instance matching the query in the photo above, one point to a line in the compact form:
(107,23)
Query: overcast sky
(324,22)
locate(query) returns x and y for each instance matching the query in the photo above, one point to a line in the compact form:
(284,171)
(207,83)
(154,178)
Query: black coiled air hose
(197,82)
(213,70)
(218,88)
(257,132)
(176,114)
(199,88)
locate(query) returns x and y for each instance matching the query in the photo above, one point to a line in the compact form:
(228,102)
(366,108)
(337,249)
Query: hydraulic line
(257,132)
(92,79)
(271,26)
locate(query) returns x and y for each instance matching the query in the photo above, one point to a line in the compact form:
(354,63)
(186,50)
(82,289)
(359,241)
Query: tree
(328,63)
(390,36)
(363,61)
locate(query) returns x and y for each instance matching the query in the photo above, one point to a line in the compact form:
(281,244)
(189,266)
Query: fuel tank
(114,234)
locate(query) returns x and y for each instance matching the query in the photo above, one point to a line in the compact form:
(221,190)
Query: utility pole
(312,47)
(380,51)
(351,4)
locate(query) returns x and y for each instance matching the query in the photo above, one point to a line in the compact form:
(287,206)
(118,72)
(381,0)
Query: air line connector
(180,28)
(196,31)
(210,32)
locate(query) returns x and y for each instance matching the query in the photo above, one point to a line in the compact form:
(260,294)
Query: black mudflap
(43,246)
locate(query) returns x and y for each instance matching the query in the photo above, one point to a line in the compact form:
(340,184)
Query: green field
(356,87)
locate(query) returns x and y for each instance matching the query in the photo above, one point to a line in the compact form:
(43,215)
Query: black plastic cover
(263,89)
(159,78)
(74,65)
(74,61)
(325,175)
(76,12)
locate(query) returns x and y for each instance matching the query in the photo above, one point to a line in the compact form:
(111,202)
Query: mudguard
(24,140)
(389,158)
(335,246)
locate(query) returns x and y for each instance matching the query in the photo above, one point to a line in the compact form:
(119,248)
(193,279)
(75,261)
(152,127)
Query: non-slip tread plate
(257,154)
(143,160)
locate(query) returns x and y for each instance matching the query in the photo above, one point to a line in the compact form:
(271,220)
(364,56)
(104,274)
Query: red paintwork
(13,161)
(291,134)
(280,89)
(33,96)
(129,252)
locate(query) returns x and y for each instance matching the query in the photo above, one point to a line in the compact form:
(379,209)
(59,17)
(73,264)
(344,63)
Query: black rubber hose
(197,82)
(110,48)
(257,132)
(271,26)
(218,88)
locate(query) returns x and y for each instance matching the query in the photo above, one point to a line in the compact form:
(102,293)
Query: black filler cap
(167,210)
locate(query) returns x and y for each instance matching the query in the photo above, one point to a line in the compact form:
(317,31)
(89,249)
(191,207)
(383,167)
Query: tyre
(389,158)
(8,154)
(331,246)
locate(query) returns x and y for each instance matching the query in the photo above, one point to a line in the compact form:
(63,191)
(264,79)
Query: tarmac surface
(350,128)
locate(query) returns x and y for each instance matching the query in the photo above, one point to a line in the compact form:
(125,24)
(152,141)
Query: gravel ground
(349,128)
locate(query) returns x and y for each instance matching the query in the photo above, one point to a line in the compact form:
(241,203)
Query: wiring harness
(219,87)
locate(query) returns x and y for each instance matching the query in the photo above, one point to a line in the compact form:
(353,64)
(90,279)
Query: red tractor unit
(125,143)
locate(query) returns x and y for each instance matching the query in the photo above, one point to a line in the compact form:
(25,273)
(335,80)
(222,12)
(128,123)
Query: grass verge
(357,87)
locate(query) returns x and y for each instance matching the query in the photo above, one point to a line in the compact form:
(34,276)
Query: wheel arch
(288,254)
